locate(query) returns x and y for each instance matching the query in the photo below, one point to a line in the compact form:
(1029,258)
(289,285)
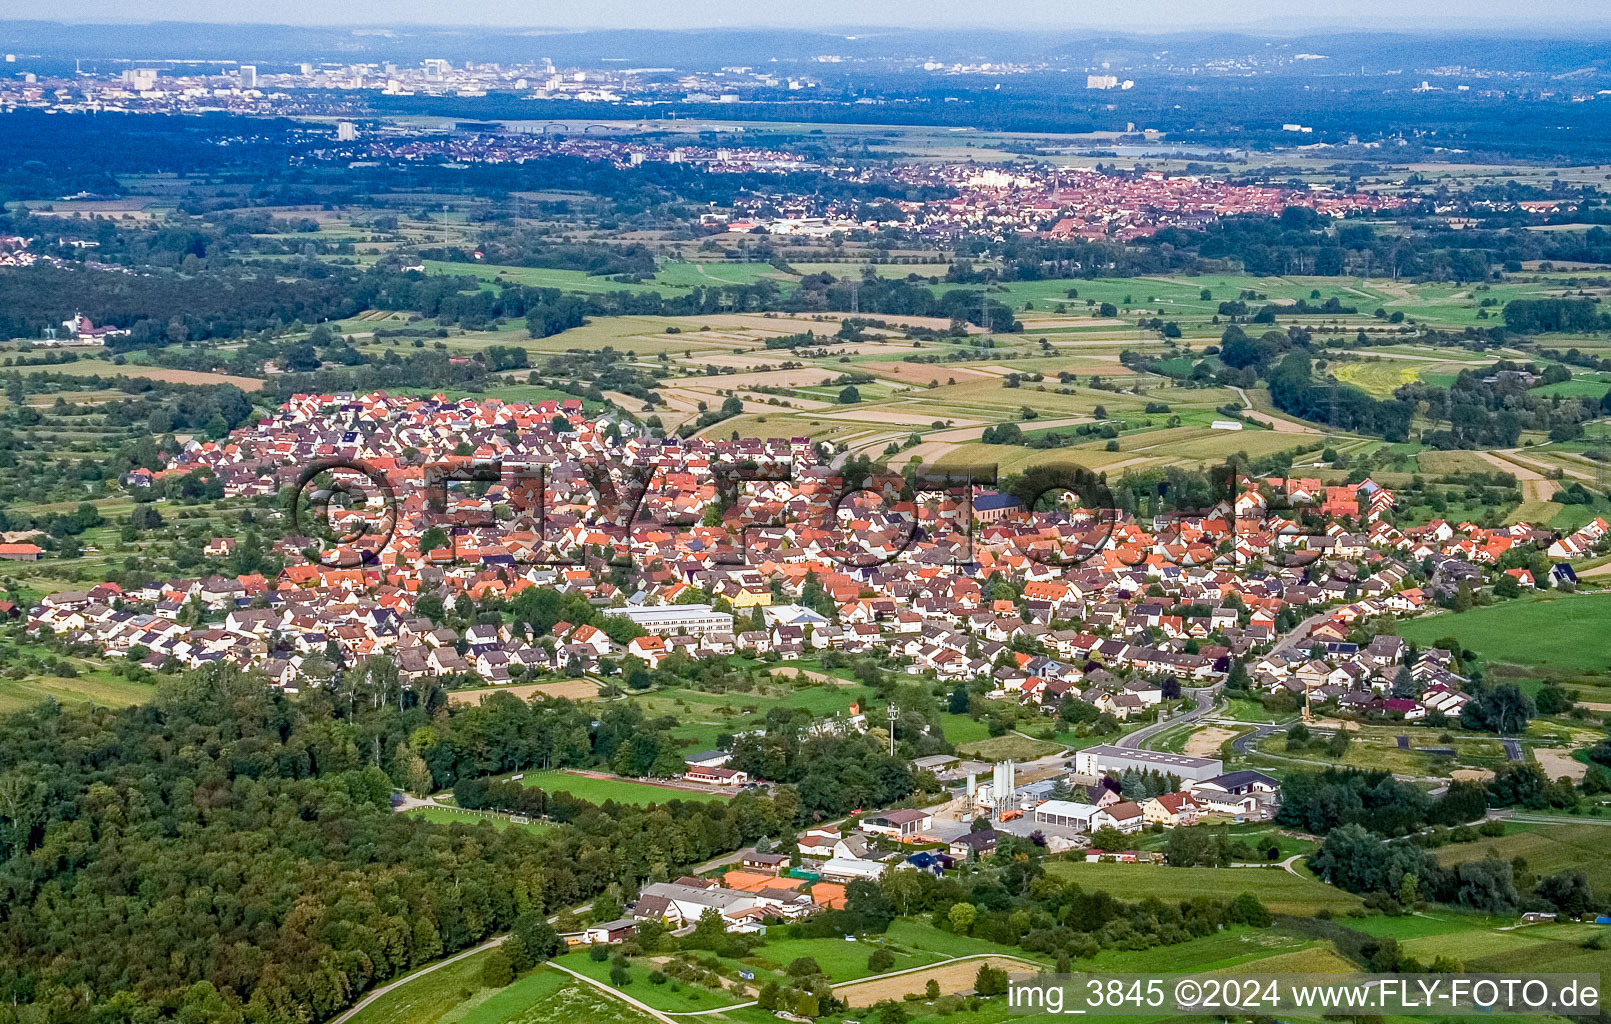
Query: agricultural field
(1546,635)
(702,716)
(1490,944)
(1547,849)
(1281,891)
(1254,949)
(932,412)
(95,687)
(951,978)
(949,419)
(533,277)
(1378,378)
(570,689)
(106,368)
(695,274)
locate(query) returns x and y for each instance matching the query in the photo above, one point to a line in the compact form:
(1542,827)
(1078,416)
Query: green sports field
(622,791)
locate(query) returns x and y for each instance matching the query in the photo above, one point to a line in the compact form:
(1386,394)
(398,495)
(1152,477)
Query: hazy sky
(1134,15)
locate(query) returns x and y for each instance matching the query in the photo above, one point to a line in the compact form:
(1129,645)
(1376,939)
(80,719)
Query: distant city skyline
(1547,17)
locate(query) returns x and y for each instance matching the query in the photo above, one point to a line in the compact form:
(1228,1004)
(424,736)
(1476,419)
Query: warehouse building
(1067,814)
(1104,759)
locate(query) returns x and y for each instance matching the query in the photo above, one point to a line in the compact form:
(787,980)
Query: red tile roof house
(1172,809)
(773,863)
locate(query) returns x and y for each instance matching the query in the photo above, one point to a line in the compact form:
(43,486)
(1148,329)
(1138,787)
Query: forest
(1294,390)
(225,853)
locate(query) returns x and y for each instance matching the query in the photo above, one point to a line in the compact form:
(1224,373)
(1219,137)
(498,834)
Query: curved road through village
(1205,697)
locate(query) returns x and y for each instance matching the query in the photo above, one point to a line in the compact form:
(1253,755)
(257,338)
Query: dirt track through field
(941,443)
(1280,424)
(1534,486)
(1576,474)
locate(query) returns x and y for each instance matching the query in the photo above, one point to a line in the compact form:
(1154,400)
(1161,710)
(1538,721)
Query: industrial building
(674,619)
(1103,759)
(996,795)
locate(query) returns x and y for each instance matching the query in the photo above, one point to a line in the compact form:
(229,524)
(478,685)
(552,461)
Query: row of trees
(1397,875)
(1320,801)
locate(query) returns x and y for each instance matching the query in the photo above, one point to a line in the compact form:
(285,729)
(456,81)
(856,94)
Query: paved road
(1287,864)
(1204,696)
(1294,641)
(1245,743)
